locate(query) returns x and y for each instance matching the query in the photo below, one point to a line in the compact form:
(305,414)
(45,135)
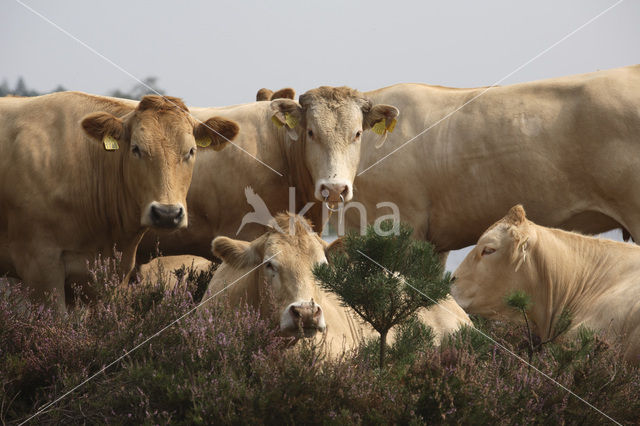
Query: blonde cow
(80,174)
(597,281)
(282,266)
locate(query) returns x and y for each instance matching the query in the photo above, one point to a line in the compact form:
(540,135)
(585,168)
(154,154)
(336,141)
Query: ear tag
(110,143)
(203,142)
(379,127)
(392,125)
(276,121)
(291,121)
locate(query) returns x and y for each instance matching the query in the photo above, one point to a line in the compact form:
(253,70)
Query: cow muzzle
(166,216)
(333,191)
(302,319)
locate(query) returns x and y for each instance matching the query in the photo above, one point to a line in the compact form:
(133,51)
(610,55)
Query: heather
(226,365)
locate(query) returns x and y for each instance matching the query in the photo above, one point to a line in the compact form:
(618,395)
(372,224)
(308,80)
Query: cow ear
(285,93)
(237,253)
(381,119)
(516,215)
(335,247)
(104,127)
(287,113)
(264,94)
(216,132)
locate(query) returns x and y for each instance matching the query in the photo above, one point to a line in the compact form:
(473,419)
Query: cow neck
(298,175)
(114,208)
(568,273)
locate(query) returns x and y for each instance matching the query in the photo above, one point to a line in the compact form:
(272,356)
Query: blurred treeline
(146,87)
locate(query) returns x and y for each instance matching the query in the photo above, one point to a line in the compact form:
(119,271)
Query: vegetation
(385,280)
(147,87)
(224,364)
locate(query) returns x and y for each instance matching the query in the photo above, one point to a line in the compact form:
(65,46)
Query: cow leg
(42,269)
(443,256)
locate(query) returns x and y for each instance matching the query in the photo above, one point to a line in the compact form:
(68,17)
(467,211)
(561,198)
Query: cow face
(497,266)
(330,122)
(157,148)
(285,261)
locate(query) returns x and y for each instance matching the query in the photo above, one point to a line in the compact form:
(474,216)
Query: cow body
(567,148)
(64,198)
(597,281)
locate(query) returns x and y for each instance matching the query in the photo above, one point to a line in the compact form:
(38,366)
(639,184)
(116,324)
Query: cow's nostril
(295,312)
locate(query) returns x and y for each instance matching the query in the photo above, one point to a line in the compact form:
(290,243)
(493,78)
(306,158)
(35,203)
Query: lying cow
(80,174)
(163,268)
(287,274)
(597,281)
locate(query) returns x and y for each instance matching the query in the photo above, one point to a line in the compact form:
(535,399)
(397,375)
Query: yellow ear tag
(379,127)
(203,142)
(290,120)
(392,125)
(110,143)
(276,121)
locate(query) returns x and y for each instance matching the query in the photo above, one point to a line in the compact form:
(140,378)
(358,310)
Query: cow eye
(271,267)
(135,150)
(488,250)
(358,134)
(191,153)
(310,133)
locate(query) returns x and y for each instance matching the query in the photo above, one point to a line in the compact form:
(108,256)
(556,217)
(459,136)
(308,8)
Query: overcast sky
(214,54)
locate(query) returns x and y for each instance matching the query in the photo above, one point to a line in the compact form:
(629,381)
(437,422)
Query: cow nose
(334,192)
(302,318)
(166,215)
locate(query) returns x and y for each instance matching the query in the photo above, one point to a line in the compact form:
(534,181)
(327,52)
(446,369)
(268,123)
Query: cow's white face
(157,146)
(495,268)
(329,122)
(286,261)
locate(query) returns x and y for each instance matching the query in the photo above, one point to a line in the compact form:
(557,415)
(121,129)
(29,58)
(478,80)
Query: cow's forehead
(299,248)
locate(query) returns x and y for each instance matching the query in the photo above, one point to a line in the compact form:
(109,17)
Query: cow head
(330,122)
(286,257)
(157,144)
(497,266)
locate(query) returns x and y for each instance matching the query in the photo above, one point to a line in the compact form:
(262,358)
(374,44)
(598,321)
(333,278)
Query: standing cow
(82,173)
(567,148)
(272,153)
(597,281)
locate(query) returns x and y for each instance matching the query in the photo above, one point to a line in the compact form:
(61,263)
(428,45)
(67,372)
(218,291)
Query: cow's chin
(304,332)
(463,301)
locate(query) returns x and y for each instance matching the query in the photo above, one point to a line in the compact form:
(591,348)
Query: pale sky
(214,54)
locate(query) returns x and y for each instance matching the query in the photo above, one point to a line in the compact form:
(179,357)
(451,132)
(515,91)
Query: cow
(279,264)
(566,148)
(597,281)
(271,154)
(163,269)
(81,174)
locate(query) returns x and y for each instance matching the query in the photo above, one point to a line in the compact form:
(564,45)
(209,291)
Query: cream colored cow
(286,274)
(597,281)
(80,174)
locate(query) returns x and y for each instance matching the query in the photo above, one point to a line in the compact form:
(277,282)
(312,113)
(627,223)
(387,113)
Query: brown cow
(68,194)
(597,281)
